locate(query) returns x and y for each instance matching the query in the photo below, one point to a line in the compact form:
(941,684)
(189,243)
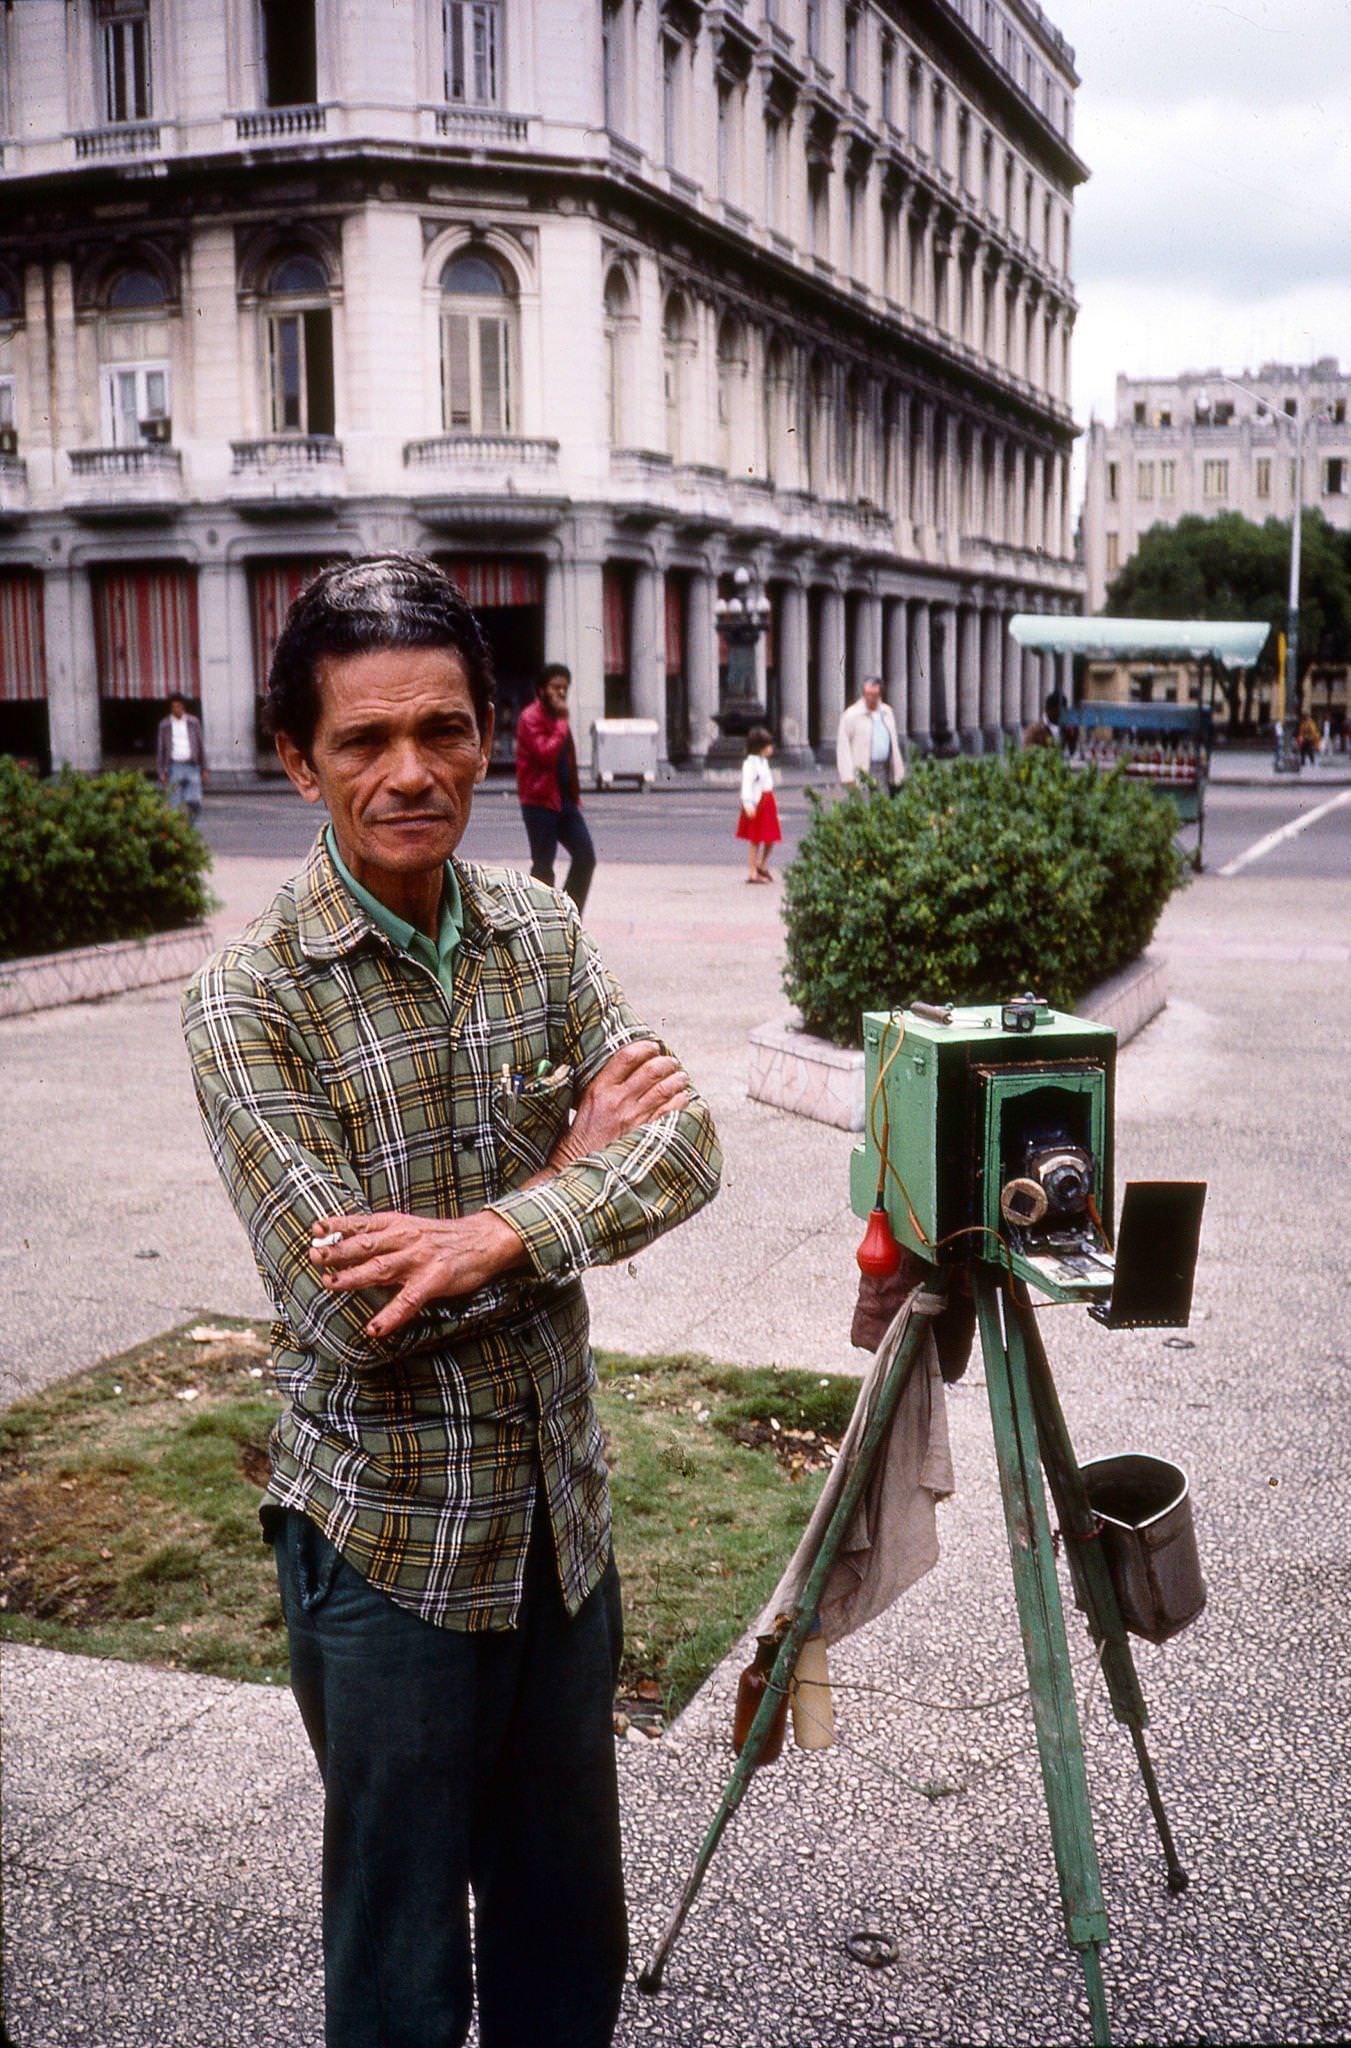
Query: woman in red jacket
(546,782)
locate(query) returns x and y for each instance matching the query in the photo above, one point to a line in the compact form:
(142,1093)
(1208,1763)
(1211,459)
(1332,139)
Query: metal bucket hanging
(1145,1509)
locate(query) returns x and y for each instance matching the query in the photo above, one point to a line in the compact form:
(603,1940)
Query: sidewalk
(162,1831)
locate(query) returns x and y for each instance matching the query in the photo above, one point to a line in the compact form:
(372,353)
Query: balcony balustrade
(286,472)
(13,487)
(117,483)
(280,124)
(480,452)
(126,138)
(481,127)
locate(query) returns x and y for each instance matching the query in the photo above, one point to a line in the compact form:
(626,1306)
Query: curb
(86,974)
(790,1069)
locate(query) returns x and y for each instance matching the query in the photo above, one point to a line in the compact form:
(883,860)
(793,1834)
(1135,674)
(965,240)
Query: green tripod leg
(804,1615)
(1088,1569)
(1042,1621)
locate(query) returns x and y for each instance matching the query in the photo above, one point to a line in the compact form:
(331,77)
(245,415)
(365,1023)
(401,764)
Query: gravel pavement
(162,1831)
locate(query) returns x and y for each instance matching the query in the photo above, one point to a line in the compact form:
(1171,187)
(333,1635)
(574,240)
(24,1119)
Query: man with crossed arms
(433,1109)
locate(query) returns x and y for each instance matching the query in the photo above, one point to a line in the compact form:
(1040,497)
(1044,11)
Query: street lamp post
(741,619)
(1299,427)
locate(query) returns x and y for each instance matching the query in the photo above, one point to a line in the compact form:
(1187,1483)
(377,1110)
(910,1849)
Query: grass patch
(129,1528)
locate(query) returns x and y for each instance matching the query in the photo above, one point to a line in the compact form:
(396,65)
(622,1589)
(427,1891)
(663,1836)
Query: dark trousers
(455,1762)
(547,831)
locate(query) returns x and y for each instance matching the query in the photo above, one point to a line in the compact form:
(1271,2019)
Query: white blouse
(756,778)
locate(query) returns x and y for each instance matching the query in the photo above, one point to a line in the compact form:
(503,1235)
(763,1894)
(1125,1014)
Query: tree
(1231,568)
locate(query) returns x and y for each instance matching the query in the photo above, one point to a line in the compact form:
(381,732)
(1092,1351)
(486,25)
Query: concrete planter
(790,1069)
(85,974)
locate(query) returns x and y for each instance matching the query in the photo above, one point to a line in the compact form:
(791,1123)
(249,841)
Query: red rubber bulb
(879,1255)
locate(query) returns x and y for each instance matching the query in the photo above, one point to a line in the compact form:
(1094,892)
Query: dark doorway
(515,633)
(24,734)
(289,62)
(816,608)
(677,595)
(129,728)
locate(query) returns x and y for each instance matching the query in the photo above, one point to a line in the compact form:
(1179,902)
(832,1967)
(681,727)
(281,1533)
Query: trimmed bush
(87,858)
(978,879)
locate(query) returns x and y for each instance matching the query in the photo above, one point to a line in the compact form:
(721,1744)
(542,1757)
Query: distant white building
(1198,443)
(596,300)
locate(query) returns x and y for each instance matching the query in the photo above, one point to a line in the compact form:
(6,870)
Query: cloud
(1249,53)
(1222,196)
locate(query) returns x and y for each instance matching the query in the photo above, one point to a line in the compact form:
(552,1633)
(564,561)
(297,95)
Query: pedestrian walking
(433,1110)
(758,820)
(548,786)
(866,742)
(1308,741)
(179,760)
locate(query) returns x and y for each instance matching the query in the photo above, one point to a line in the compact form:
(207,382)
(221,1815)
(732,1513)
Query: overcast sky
(1215,230)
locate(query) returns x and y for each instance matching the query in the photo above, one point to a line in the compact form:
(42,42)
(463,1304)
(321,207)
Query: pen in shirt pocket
(511,1082)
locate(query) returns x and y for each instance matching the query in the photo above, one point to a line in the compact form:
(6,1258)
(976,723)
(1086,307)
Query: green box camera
(996,1123)
(989,1137)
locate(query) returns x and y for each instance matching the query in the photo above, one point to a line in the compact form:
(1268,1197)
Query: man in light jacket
(179,760)
(867,743)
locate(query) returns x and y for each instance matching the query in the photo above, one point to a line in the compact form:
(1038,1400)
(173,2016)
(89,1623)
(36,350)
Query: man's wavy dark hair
(364,607)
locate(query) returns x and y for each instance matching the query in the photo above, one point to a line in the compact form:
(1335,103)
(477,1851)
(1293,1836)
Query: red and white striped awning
(275,586)
(490,582)
(23,661)
(145,631)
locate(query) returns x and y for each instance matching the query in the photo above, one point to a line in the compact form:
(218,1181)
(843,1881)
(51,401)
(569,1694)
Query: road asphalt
(161,1831)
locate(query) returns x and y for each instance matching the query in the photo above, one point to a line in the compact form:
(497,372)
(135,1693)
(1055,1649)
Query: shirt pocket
(527,1127)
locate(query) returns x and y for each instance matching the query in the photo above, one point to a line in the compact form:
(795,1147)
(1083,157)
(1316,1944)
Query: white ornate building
(595,300)
(1204,443)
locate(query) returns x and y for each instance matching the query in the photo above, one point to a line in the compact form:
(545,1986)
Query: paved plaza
(162,1831)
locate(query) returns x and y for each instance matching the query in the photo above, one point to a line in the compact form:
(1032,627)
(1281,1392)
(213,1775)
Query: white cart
(624,747)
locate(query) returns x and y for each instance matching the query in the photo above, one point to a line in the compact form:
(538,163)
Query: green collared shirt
(440,958)
(335,1074)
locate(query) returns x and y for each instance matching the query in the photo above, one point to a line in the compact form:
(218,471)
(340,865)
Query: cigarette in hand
(334,1237)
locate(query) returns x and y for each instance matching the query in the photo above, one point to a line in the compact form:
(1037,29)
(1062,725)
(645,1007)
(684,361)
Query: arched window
(620,326)
(732,368)
(777,388)
(677,352)
(134,368)
(299,321)
(135,291)
(818,424)
(478,346)
(857,481)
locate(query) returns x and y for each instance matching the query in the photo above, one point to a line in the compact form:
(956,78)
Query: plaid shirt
(334,1076)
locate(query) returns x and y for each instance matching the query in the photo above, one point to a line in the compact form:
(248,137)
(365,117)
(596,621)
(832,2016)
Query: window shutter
(455,352)
(320,414)
(494,395)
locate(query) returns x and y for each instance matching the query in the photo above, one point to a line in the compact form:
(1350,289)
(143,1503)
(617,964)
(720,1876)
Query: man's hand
(636,1085)
(424,1258)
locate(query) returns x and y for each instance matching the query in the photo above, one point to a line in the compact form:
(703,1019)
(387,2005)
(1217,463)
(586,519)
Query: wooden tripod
(1029,1434)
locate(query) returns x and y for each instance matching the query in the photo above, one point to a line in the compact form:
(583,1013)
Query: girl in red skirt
(758,822)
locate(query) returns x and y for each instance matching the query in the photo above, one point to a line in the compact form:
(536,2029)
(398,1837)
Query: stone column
(583,646)
(991,679)
(968,679)
(918,665)
(944,678)
(647,655)
(868,644)
(1012,680)
(832,668)
(72,669)
(1031,686)
(896,662)
(701,665)
(793,673)
(555,601)
(229,684)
